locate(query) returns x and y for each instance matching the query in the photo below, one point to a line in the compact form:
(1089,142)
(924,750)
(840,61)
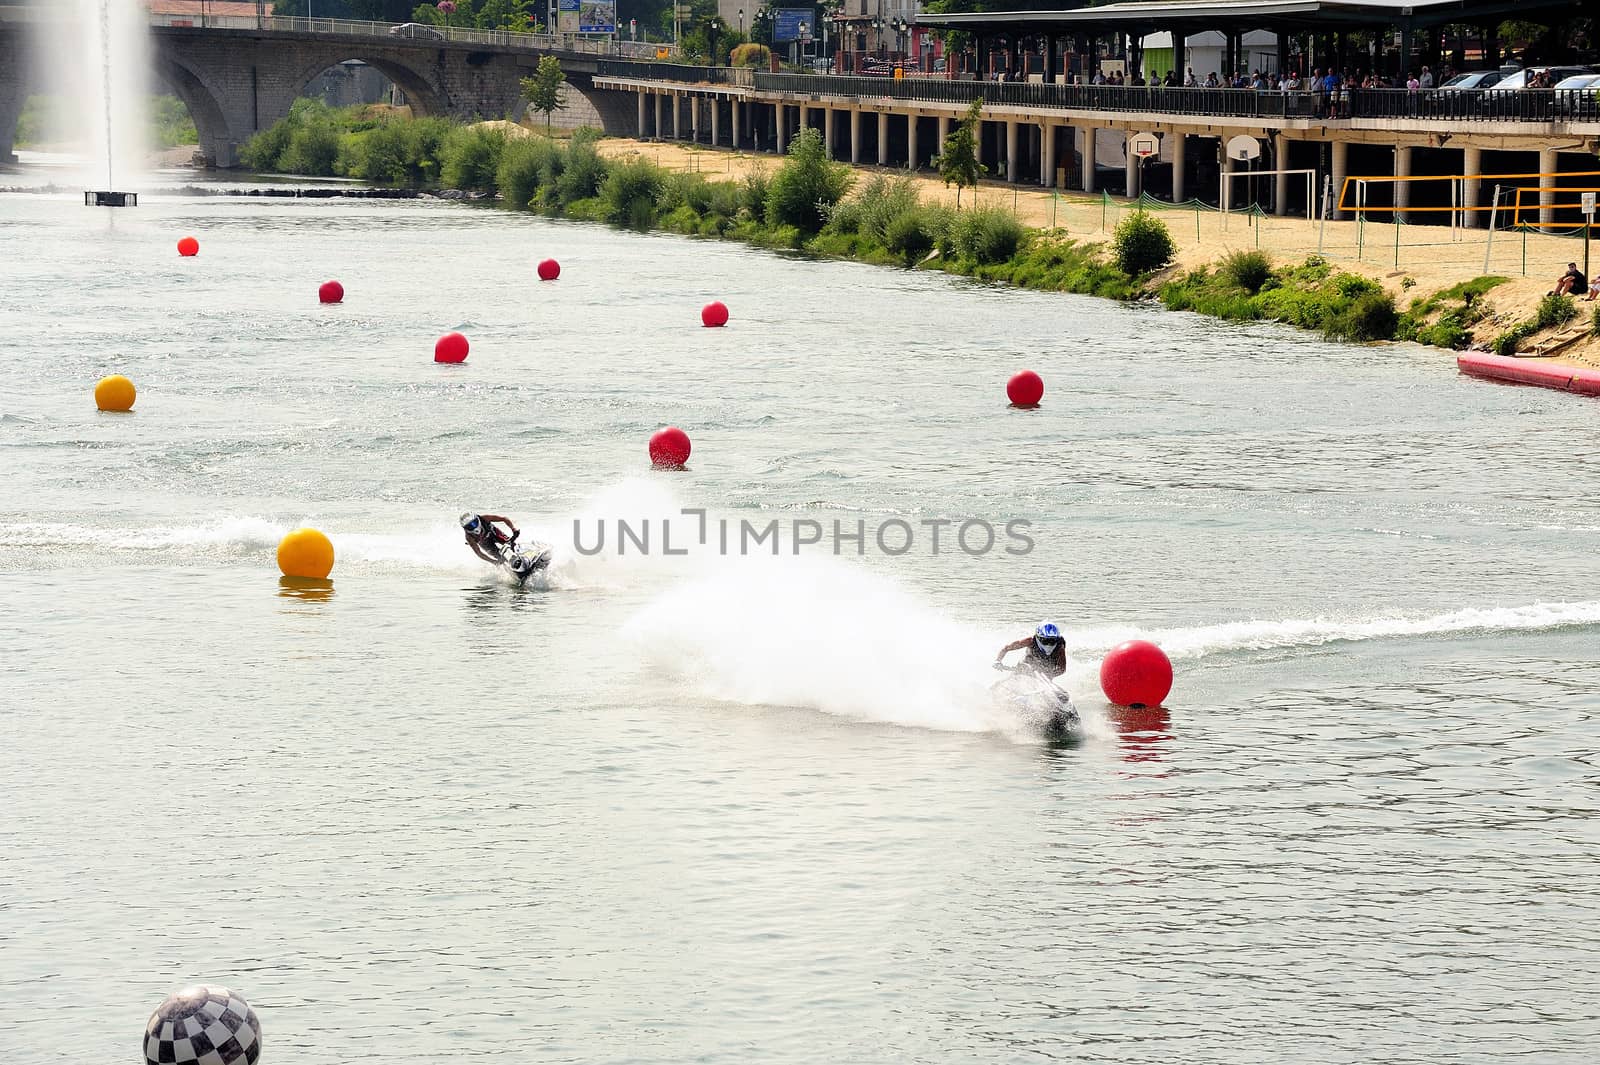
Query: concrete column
(827,129)
(1341,170)
(944,131)
(1013,162)
(1131,172)
(716,106)
(1472,187)
(805,117)
(641,115)
(1280,181)
(1088,157)
(677,117)
(1548,161)
(1402,189)
(694,119)
(913,157)
(883,138)
(661,114)
(1180,141)
(855,135)
(1226,193)
(736,104)
(1047,158)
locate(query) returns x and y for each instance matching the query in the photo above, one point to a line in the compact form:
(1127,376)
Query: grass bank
(813,205)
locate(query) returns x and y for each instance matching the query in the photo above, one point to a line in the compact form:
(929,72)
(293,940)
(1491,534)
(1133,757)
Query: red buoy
(1136,673)
(452,347)
(1025,389)
(549,270)
(331,292)
(669,448)
(714,314)
(188,246)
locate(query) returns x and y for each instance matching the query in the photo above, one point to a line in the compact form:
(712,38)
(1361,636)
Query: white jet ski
(1038,703)
(524,562)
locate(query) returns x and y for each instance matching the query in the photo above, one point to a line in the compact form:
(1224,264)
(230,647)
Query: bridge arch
(421,94)
(217,141)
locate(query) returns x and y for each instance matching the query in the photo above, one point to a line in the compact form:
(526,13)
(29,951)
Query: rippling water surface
(721,809)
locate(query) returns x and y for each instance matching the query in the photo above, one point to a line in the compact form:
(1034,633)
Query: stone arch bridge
(237,81)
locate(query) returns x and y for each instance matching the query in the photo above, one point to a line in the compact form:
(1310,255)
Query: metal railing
(414,33)
(678,72)
(1484,105)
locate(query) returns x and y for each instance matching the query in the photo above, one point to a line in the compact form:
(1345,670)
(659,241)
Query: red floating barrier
(669,448)
(188,246)
(1025,389)
(549,270)
(1136,673)
(452,347)
(714,314)
(331,292)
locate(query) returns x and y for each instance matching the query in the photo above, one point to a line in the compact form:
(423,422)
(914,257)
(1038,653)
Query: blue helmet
(1047,637)
(471,523)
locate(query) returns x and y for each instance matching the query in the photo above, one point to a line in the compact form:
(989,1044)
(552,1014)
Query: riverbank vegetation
(813,205)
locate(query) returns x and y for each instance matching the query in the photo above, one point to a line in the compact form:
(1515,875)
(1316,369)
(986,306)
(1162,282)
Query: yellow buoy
(305,553)
(114,393)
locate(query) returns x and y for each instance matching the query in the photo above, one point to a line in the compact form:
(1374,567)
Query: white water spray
(99,64)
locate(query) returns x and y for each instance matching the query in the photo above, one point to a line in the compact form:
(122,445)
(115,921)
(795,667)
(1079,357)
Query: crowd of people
(1328,82)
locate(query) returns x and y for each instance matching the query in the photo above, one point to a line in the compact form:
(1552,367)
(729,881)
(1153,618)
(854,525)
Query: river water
(713,808)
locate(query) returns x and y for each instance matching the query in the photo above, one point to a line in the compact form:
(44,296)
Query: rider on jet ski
(485,539)
(1047,652)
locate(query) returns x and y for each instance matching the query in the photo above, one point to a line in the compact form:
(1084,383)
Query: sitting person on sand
(1570,283)
(1594,289)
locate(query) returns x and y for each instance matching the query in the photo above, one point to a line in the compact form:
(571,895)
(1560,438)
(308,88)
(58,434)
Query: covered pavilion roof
(1294,15)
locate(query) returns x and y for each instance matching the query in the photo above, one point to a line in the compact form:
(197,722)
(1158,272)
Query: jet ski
(524,562)
(1038,703)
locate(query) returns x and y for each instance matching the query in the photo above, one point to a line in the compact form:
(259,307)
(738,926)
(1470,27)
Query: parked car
(1580,96)
(1473,79)
(1518,79)
(416,31)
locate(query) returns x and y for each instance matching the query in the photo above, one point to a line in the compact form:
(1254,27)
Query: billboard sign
(787,21)
(567,16)
(597,16)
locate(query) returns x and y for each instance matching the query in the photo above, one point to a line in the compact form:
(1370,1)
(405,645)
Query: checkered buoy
(203,1026)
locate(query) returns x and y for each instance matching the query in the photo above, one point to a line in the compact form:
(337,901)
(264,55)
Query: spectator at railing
(1189,80)
(1426,80)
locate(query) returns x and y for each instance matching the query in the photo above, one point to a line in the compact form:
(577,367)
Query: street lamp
(741,22)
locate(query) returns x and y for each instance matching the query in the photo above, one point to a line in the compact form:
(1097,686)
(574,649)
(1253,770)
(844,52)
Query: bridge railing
(387,31)
(1487,105)
(681,72)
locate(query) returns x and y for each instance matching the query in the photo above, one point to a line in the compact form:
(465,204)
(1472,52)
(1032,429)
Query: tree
(545,91)
(958,163)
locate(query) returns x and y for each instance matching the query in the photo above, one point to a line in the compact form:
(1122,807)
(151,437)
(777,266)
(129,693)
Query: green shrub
(263,151)
(912,235)
(750,55)
(521,163)
(806,185)
(631,191)
(1555,310)
(1369,316)
(1595,325)
(1142,244)
(472,158)
(987,235)
(1506,343)
(683,189)
(1248,270)
(753,193)
(313,150)
(1351,285)
(585,170)
(874,206)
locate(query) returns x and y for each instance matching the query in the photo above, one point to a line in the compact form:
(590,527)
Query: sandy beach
(1431,257)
